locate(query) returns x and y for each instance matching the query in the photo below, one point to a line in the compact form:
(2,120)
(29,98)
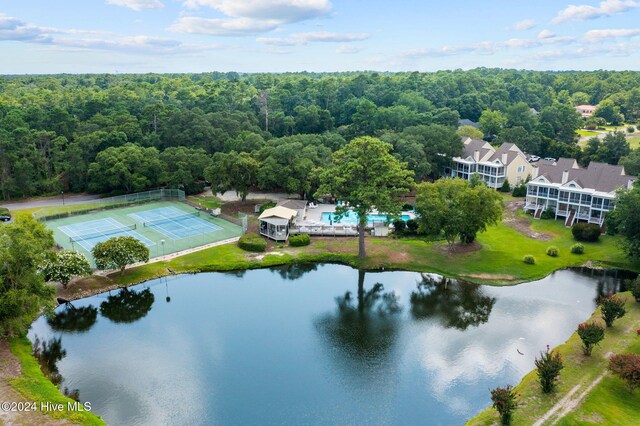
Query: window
(520,169)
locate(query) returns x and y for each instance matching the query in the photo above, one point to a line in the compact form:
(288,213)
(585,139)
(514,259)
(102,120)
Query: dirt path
(10,369)
(522,225)
(568,403)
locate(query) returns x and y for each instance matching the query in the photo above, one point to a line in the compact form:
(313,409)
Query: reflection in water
(73,319)
(609,281)
(127,306)
(364,329)
(48,353)
(457,304)
(295,271)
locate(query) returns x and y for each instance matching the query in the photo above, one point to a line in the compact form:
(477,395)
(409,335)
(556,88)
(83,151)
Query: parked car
(534,158)
(5,218)
(551,159)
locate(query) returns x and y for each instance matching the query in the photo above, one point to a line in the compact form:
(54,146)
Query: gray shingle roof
(473,146)
(598,176)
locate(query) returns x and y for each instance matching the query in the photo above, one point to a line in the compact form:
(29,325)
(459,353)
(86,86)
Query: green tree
(455,209)
(628,220)
(130,168)
(232,171)
(23,294)
(609,112)
(559,121)
(469,131)
(631,162)
(64,265)
(183,166)
(118,252)
(365,175)
(491,122)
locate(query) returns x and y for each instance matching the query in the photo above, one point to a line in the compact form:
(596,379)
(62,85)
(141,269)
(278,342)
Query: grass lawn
(209,201)
(34,386)
(586,133)
(609,402)
(59,209)
(634,141)
(497,261)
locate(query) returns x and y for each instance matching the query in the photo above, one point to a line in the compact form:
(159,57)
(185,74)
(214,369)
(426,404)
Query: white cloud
(137,5)
(545,34)
(311,37)
(346,49)
(16,30)
(283,11)
(585,12)
(595,36)
(222,27)
(525,24)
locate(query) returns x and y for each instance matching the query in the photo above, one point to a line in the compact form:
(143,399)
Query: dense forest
(126,133)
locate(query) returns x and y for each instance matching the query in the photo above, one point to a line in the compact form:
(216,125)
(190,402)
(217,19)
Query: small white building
(275,222)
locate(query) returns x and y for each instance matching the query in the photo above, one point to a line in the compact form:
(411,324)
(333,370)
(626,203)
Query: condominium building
(492,165)
(575,193)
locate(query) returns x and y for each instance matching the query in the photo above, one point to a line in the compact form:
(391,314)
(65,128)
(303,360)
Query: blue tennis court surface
(174,223)
(88,234)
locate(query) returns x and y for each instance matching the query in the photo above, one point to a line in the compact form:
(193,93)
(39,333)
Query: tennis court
(92,232)
(164,227)
(174,223)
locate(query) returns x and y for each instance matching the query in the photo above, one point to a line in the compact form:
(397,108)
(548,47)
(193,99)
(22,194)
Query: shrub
(407,207)
(299,240)
(529,260)
(591,334)
(634,286)
(549,365)
(519,190)
(399,226)
(631,129)
(252,242)
(612,308)
(552,251)
(577,248)
(412,225)
(589,232)
(506,186)
(265,206)
(591,126)
(4,211)
(611,222)
(627,367)
(504,401)
(548,213)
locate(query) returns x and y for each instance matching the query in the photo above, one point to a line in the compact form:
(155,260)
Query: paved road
(49,201)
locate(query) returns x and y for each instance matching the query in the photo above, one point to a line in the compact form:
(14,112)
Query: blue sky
(49,36)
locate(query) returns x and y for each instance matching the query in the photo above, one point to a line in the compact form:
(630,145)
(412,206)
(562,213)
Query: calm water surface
(311,344)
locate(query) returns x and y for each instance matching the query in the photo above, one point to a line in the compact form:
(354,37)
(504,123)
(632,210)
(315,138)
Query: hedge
(577,248)
(252,242)
(529,260)
(589,232)
(299,240)
(552,251)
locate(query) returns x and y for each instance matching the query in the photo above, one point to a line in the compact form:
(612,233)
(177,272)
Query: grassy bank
(34,386)
(609,402)
(496,259)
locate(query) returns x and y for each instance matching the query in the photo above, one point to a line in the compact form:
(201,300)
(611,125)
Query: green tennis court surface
(164,227)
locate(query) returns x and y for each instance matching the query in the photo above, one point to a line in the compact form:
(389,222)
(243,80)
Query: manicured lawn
(609,402)
(586,133)
(209,202)
(634,142)
(498,261)
(34,386)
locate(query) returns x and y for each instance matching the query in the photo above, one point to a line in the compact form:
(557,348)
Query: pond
(312,344)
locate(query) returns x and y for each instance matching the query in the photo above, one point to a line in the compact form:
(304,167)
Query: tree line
(126,133)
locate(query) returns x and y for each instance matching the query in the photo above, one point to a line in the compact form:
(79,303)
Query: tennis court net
(177,218)
(124,229)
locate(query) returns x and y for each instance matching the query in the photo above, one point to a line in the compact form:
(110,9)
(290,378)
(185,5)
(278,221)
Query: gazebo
(275,222)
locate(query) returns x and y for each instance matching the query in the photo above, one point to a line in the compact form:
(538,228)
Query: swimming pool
(351,218)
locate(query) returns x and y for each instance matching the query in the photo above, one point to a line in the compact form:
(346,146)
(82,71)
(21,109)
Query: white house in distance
(586,111)
(575,193)
(492,165)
